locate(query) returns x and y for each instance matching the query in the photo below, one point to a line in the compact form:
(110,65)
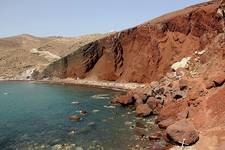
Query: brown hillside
(19,55)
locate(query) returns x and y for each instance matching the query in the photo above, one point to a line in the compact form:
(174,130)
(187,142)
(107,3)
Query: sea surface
(35,116)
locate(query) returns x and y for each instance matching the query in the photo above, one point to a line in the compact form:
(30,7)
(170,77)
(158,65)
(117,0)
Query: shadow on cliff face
(146,52)
(75,64)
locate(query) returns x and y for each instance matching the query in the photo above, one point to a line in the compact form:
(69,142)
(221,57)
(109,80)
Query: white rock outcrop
(181,64)
(46,54)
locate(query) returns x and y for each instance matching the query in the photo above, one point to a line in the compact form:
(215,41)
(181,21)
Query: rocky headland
(178,63)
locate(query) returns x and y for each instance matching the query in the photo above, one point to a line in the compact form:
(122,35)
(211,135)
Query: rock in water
(140,125)
(182,131)
(143,110)
(124,100)
(74,118)
(83,112)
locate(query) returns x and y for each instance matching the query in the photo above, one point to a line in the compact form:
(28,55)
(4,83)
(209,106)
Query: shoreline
(112,85)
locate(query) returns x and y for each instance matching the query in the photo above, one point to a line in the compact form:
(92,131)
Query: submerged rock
(74,118)
(83,112)
(140,132)
(140,125)
(91,124)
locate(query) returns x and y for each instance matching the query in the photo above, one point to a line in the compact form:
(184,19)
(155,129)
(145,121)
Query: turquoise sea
(35,116)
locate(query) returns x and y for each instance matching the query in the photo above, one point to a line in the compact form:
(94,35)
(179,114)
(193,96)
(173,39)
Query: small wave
(101,96)
(5,93)
(75,103)
(110,107)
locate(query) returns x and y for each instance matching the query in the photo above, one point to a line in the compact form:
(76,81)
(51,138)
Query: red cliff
(146,52)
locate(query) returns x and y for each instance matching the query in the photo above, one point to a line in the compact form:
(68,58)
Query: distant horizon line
(59,36)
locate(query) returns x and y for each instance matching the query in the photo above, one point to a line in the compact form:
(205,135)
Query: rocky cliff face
(146,52)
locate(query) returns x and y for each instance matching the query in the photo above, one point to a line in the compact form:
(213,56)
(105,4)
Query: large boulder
(182,132)
(171,120)
(209,84)
(165,123)
(172,110)
(154,104)
(140,98)
(143,110)
(217,79)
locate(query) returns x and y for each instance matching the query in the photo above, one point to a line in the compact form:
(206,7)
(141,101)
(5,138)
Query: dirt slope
(19,55)
(146,52)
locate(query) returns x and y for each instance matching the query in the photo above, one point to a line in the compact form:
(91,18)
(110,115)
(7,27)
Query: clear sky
(78,17)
